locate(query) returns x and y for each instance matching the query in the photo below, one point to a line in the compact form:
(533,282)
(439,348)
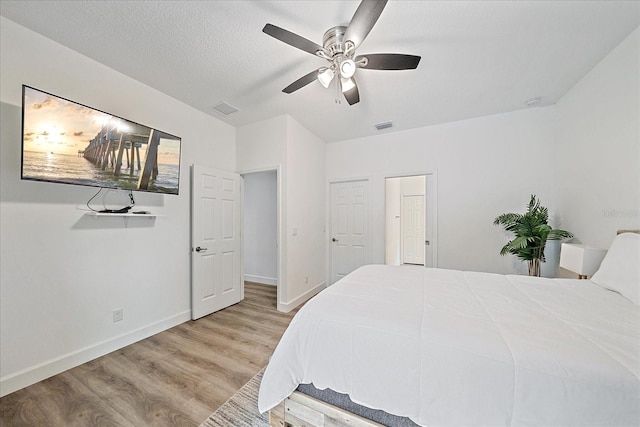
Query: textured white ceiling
(478,57)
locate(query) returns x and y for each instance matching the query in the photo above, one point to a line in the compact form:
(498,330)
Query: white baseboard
(261,279)
(49,368)
(288,306)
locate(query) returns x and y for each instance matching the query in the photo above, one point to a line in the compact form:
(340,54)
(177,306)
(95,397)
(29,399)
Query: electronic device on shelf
(123,210)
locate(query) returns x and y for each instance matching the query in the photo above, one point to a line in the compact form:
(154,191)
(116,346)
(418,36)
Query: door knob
(334,240)
(199,249)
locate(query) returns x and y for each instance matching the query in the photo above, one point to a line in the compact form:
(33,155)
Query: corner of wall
(597,141)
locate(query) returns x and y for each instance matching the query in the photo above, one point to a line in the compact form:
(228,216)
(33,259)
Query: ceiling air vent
(384,125)
(225,108)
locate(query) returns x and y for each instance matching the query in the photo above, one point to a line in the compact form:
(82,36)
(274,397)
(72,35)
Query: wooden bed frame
(301,410)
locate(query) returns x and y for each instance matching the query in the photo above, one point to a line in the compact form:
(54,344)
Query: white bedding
(446,347)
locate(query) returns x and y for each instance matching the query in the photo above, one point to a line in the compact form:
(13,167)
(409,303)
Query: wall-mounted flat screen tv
(67,142)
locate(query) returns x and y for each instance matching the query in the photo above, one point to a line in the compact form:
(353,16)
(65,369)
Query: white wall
(598,148)
(305,213)
(263,146)
(261,227)
(62,274)
(299,156)
(485,167)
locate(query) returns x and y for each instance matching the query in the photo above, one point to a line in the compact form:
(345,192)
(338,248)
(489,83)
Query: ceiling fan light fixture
(347,68)
(325,77)
(347,84)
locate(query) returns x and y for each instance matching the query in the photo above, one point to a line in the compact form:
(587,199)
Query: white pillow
(620,268)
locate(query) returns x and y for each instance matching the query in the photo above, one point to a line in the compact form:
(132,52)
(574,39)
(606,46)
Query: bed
(450,348)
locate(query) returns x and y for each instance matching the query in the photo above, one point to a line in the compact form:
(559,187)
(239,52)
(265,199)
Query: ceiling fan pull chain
(338,91)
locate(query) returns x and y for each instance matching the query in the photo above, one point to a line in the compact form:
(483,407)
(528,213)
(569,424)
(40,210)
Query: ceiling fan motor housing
(332,40)
(339,52)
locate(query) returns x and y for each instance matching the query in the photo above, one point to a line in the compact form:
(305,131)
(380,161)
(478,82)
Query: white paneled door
(216,271)
(413,222)
(349,227)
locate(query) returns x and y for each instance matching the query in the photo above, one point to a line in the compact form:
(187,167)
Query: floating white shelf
(124,216)
(128,215)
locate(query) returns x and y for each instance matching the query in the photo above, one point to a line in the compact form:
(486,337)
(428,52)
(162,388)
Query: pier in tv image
(67,142)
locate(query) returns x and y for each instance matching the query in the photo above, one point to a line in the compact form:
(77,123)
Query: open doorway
(410,220)
(260,228)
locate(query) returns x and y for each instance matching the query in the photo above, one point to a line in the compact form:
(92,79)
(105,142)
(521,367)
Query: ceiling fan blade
(301,82)
(389,61)
(291,39)
(352,96)
(363,20)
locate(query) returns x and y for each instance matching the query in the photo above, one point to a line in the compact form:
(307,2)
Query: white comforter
(446,347)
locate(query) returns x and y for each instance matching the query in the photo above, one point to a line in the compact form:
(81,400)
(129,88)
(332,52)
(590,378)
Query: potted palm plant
(531,232)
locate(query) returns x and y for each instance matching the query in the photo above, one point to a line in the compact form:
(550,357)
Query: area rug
(241,410)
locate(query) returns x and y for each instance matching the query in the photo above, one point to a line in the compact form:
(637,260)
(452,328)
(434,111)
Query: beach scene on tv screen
(68,142)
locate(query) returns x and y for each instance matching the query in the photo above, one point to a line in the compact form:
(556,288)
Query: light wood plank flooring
(175,378)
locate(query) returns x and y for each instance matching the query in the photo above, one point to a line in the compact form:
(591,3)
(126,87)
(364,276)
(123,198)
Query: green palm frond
(531,231)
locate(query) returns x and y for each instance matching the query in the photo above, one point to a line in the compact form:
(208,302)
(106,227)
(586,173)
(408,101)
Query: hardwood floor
(175,378)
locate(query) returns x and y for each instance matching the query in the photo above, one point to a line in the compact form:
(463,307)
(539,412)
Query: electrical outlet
(306,279)
(118,315)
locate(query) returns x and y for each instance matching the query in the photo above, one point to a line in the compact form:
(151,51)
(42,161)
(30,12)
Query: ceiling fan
(339,46)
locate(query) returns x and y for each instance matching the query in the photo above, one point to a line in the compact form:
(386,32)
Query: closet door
(349,227)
